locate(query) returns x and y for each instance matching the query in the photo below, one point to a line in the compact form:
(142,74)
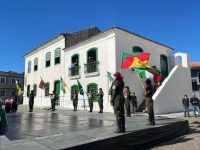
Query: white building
(95,53)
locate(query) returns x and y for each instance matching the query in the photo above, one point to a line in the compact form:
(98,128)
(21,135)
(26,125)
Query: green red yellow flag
(135,60)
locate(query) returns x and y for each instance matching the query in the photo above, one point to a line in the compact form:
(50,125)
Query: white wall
(168,97)
(124,43)
(106,52)
(48,74)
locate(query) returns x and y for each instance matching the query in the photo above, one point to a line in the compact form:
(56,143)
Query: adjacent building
(8,83)
(195,72)
(86,56)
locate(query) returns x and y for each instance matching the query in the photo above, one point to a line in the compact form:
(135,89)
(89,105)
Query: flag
(144,74)
(153,70)
(80,88)
(19,89)
(110,77)
(41,85)
(135,60)
(63,85)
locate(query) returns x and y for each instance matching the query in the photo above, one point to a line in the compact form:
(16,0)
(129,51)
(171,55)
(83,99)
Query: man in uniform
(149,102)
(31,101)
(127,99)
(75,100)
(117,101)
(134,102)
(100,100)
(90,100)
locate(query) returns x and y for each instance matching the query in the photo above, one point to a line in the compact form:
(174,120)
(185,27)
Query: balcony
(74,72)
(91,68)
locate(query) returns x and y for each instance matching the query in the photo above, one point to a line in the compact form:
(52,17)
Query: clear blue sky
(25,24)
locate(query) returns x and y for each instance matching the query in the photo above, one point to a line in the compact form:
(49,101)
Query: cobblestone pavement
(191,141)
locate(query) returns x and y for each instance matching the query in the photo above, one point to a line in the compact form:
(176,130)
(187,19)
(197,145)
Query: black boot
(118,126)
(123,130)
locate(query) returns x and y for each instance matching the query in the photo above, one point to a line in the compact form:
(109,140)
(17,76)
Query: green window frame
(35,64)
(137,49)
(94,87)
(47,84)
(48,59)
(28,90)
(73,88)
(29,66)
(164,65)
(57,56)
(94,49)
(35,89)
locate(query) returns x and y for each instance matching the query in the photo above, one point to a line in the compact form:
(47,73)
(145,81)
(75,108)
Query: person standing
(134,102)
(53,100)
(100,100)
(127,99)
(149,102)
(3,120)
(90,100)
(157,85)
(31,101)
(75,100)
(185,102)
(117,101)
(195,102)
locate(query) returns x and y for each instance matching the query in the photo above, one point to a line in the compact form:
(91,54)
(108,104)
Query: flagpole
(140,81)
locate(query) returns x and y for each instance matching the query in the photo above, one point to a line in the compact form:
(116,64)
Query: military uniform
(149,105)
(100,101)
(127,98)
(31,101)
(75,101)
(134,103)
(117,100)
(90,101)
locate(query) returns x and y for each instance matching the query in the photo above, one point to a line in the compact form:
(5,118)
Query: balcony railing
(74,71)
(92,67)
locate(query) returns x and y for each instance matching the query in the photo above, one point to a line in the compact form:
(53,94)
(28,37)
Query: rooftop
(195,64)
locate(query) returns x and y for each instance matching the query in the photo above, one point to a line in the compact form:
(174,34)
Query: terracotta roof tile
(195,64)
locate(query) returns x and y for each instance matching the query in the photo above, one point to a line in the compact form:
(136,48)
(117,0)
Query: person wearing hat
(31,101)
(3,120)
(75,99)
(100,100)
(117,101)
(127,99)
(149,102)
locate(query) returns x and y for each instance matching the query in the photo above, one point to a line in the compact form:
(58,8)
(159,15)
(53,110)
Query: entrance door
(57,90)
(164,65)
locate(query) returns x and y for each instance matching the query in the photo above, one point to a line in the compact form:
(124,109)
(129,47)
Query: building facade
(8,84)
(195,74)
(87,59)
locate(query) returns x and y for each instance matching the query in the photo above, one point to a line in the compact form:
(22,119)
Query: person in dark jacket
(53,100)
(75,100)
(149,102)
(100,100)
(195,105)
(31,101)
(185,102)
(134,102)
(117,101)
(127,99)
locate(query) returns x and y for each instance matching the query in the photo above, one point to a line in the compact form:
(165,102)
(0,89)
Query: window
(92,55)
(194,86)
(94,88)
(137,49)
(13,81)
(28,90)
(73,88)
(2,93)
(164,65)
(47,89)
(48,59)
(198,77)
(57,56)
(29,67)
(35,89)
(2,80)
(35,64)
(13,93)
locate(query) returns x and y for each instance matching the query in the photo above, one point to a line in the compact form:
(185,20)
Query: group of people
(194,101)
(11,105)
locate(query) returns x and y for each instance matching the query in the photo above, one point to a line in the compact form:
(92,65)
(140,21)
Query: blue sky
(25,24)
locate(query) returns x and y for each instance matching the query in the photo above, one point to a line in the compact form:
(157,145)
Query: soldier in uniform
(90,100)
(31,101)
(134,102)
(149,102)
(100,100)
(75,100)
(117,101)
(127,99)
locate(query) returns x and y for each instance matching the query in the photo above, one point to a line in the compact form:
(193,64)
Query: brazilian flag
(80,88)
